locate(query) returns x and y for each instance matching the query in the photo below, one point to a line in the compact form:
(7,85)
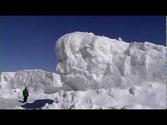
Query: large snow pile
(89,61)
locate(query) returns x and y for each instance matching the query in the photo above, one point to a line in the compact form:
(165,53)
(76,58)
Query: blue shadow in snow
(37,104)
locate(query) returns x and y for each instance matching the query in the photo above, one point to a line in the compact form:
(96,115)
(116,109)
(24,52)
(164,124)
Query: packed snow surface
(93,72)
(148,96)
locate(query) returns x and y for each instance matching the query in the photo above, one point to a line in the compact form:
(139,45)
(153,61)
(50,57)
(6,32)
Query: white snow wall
(36,80)
(88,61)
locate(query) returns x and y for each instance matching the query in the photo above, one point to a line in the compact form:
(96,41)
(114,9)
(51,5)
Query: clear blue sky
(27,42)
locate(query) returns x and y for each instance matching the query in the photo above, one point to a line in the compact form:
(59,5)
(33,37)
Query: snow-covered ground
(148,96)
(93,72)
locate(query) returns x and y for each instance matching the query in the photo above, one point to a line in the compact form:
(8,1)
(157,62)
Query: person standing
(25,94)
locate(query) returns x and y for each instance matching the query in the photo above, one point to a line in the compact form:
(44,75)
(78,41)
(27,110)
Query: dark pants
(25,98)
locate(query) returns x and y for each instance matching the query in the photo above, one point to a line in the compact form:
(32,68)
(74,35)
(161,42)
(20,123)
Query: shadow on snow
(37,104)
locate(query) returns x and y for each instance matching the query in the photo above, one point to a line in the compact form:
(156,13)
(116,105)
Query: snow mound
(87,61)
(36,80)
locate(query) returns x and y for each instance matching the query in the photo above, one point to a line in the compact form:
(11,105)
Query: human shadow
(37,104)
(21,101)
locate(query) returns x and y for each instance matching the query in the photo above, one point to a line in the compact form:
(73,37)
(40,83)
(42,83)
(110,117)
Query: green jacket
(25,92)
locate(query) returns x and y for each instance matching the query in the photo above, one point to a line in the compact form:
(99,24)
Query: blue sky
(27,42)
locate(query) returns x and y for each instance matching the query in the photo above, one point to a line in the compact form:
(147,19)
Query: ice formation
(88,61)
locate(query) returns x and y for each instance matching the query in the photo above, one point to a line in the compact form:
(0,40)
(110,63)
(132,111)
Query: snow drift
(88,61)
